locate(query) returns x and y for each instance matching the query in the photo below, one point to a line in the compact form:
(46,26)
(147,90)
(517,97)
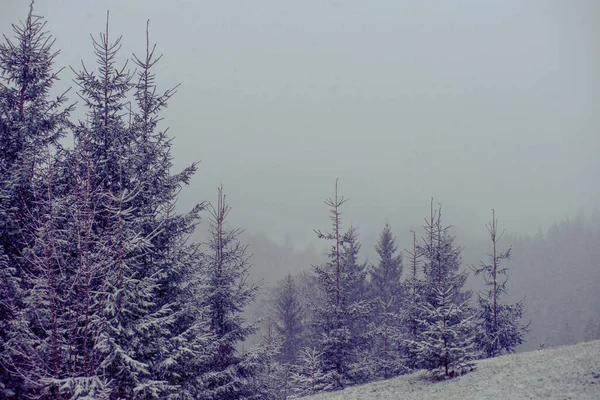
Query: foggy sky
(481,105)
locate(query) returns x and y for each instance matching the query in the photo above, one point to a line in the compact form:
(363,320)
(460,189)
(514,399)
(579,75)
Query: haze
(479,104)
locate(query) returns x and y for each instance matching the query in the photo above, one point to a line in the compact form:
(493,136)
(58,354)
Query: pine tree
(386,329)
(127,296)
(311,297)
(308,377)
(288,320)
(228,373)
(8,292)
(500,328)
(386,276)
(176,347)
(342,309)
(331,319)
(53,333)
(354,271)
(102,297)
(414,289)
(31,125)
(445,344)
(149,337)
(415,285)
(360,307)
(272,378)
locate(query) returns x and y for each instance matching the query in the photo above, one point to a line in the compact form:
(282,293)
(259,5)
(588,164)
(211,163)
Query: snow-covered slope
(567,372)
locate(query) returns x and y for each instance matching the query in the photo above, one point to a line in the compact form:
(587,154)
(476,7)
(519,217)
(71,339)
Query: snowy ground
(567,372)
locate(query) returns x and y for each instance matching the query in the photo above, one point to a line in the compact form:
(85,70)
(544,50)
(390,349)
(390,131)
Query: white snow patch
(560,373)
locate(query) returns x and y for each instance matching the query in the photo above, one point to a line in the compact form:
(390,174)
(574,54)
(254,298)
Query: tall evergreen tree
(338,315)
(31,125)
(414,289)
(415,285)
(271,380)
(500,330)
(309,377)
(128,294)
(361,307)
(176,350)
(102,296)
(228,373)
(386,328)
(445,344)
(386,276)
(288,320)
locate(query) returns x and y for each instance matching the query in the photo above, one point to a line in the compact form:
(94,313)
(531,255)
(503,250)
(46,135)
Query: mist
(478,105)
(338,193)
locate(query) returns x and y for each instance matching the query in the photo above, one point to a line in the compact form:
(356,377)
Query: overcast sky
(481,104)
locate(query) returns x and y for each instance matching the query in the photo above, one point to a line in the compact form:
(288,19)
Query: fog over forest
(478,105)
(413,108)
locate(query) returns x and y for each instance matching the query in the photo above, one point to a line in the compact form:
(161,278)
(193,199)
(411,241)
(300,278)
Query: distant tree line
(348,322)
(104,296)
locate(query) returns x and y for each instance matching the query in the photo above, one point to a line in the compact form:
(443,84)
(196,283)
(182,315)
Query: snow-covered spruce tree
(288,320)
(341,310)
(386,276)
(8,292)
(227,373)
(31,124)
(272,378)
(356,295)
(355,271)
(310,296)
(445,344)
(126,297)
(385,328)
(74,264)
(308,376)
(152,341)
(51,342)
(501,330)
(176,350)
(415,289)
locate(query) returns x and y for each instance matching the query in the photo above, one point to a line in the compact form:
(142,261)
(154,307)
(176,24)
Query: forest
(106,291)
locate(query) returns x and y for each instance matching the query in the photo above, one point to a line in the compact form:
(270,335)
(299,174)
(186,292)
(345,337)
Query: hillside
(567,372)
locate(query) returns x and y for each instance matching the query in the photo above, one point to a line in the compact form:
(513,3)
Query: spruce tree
(288,320)
(175,348)
(102,296)
(501,330)
(148,337)
(271,380)
(308,376)
(415,286)
(128,294)
(228,373)
(445,344)
(386,329)
(343,308)
(32,122)
(361,307)
(386,276)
